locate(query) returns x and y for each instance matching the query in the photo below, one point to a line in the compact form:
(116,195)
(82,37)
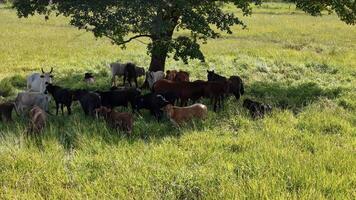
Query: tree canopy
(125,20)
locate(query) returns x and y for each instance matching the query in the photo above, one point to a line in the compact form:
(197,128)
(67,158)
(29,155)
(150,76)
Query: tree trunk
(158,57)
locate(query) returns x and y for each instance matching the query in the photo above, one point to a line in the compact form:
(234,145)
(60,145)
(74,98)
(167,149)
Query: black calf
(61,96)
(171,97)
(153,103)
(88,100)
(256,109)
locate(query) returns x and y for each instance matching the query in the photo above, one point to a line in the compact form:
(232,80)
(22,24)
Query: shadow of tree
(291,96)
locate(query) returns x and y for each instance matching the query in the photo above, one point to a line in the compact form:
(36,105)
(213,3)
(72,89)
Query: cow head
(47,76)
(161,101)
(211,75)
(170,75)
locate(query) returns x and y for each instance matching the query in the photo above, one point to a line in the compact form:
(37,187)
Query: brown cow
(179,115)
(182,90)
(178,76)
(6,111)
(38,120)
(122,121)
(215,90)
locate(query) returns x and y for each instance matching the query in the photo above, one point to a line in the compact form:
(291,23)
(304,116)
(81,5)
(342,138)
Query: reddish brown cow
(6,111)
(175,75)
(215,90)
(183,90)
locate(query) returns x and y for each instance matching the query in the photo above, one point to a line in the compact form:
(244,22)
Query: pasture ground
(306,149)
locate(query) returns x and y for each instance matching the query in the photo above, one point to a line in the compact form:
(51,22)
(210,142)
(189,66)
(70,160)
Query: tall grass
(305,149)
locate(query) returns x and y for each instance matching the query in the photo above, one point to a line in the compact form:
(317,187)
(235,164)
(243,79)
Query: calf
(61,96)
(116,98)
(152,102)
(37,82)
(179,115)
(89,78)
(26,100)
(88,101)
(256,109)
(122,121)
(37,120)
(6,111)
(130,74)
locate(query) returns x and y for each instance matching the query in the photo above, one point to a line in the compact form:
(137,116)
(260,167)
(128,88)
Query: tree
(125,20)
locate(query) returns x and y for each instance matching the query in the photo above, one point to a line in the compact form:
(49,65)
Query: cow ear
(51,76)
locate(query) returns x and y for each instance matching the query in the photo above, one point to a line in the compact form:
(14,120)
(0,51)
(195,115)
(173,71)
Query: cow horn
(42,70)
(51,70)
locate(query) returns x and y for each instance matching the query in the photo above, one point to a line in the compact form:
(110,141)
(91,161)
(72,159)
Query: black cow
(114,98)
(212,76)
(88,100)
(130,73)
(236,86)
(61,96)
(256,109)
(152,102)
(171,97)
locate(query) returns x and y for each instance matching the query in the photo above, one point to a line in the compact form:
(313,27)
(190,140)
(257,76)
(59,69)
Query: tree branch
(130,39)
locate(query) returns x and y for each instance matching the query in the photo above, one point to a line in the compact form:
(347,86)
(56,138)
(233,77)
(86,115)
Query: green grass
(305,149)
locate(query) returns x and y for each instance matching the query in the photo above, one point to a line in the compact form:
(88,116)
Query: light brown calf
(119,120)
(179,115)
(38,120)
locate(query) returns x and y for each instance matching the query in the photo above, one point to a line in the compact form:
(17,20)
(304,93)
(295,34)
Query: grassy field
(305,149)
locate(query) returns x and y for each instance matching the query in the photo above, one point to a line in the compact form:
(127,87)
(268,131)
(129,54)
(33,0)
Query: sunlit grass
(305,149)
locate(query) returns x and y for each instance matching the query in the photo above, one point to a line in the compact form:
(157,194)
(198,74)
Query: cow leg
(215,103)
(62,105)
(182,102)
(124,79)
(136,83)
(237,95)
(113,81)
(69,109)
(57,108)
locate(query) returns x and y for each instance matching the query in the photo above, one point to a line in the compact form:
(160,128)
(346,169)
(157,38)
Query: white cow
(36,82)
(26,100)
(153,77)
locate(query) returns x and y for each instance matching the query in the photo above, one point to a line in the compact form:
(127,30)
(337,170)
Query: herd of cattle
(166,91)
